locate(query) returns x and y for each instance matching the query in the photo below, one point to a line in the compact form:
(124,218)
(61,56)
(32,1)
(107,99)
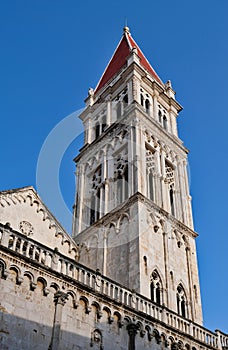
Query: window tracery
(100,123)
(169,173)
(150,170)
(121,177)
(181,301)
(95,209)
(156,288)
(121,103)
(162,117)
(145,100)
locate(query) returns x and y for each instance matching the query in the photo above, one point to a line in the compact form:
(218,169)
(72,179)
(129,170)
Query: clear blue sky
(53,51)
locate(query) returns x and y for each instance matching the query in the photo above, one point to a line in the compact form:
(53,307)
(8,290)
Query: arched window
(170,186)
(121,175)
(141,99)
(181,301)
(147,106)
(150,169)
(156,288)
(95,208)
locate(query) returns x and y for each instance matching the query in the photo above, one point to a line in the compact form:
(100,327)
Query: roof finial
(126,28)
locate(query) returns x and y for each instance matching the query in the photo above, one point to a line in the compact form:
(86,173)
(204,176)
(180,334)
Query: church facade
(128,276)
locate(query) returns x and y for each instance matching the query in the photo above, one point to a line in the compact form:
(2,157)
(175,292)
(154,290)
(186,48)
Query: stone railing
(39,253)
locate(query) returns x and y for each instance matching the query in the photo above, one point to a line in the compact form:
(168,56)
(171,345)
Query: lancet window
(121,103)
(145,101)
(162,117)
(169,170)
(121,177)
(96,197)
(181,301)
(150,171)
(156,288)
(100,124)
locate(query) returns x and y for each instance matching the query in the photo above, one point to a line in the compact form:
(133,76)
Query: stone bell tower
(133,216)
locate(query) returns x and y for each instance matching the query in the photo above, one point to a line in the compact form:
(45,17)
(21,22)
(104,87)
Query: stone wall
(42,307)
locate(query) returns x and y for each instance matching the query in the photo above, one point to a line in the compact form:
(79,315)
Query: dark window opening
(125,100)
(97,130)
(151,189)
(165,122)
(92,211)
(152,291)
(171,198)
(147,106)
(158,295)
(183,312)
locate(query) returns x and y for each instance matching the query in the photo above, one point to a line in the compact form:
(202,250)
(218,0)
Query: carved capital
(60,298)
(132,329)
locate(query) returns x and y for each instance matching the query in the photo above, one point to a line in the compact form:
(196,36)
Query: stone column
(109,110)
(192,304)
(81,195)
(155,106)
(59,300)
(5,238)
(158,179)
(132,329)
(188,197)
(173,122)
(130,91)
(166,288)
(179,201)
(165,201)
(131,142)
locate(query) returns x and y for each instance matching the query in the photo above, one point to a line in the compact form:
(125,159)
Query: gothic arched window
(95,204)
(170,183)
(156,288)
(150,169)
(121,178)
(181,301)
(141,99)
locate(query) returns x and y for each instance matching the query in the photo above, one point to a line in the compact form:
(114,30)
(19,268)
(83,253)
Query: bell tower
(132,213)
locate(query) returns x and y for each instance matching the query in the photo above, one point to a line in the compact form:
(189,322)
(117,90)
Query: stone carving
(26,228)
(96,338)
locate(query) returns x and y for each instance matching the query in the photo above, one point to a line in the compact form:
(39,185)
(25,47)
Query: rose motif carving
(26,228)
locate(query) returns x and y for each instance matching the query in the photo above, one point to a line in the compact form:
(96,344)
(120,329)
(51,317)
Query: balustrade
(47,257)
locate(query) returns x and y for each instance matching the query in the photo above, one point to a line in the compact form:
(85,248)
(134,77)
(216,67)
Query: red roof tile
(119,59)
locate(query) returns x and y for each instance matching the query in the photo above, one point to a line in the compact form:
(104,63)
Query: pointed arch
(181,299)
(156,287)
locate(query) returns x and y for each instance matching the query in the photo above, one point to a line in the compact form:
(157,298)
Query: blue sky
(53,51)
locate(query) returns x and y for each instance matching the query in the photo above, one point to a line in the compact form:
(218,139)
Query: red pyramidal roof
(119,59)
